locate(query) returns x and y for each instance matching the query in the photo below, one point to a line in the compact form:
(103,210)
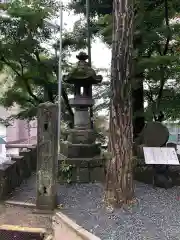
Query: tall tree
(119,185)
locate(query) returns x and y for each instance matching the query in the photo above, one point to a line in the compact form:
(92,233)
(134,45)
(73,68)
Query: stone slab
(83,170)
(84,162)
(97,174)
(80,150)
(75,102)
(82,175)
(81,136)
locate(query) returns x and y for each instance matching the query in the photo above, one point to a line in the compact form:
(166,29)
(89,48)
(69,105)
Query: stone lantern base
(83,170)
(83,156)
(80,150)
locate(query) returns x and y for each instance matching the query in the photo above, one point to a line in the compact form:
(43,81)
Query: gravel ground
(155,216)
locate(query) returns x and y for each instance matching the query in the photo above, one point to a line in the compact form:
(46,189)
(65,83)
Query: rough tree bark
(138,105)
(119,182)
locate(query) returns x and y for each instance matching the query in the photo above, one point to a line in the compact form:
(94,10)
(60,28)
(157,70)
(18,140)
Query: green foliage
(156,48)
(97,7)
(66,171)
(34,70)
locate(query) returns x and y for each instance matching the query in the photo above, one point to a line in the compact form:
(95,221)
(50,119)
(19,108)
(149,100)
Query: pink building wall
(20,130)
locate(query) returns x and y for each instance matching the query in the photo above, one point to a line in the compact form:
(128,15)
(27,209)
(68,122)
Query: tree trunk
(119,182)
(138,105)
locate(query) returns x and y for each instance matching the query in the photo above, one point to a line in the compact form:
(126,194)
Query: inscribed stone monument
(47,156)
(155,136)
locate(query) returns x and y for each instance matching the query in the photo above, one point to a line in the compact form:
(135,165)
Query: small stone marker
(160,155)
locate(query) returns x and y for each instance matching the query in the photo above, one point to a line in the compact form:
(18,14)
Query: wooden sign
(160,155)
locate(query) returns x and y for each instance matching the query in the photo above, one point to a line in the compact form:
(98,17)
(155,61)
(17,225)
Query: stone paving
(155,216)
(24,217)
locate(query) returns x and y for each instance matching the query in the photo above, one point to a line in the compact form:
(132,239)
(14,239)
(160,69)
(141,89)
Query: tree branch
(162,69)
(66,101)
(162,82)
(47,93)
(150,96)
(29,90)
(168,27)
(159,49)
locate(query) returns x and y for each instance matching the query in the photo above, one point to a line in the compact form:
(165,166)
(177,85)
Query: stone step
(83,159)
(83,162)
(80,150)
(82,144)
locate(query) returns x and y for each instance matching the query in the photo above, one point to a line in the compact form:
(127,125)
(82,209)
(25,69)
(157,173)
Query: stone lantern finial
(82,56)
(82,74)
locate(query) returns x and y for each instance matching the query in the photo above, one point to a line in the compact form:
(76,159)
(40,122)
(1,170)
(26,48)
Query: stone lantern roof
(83,74)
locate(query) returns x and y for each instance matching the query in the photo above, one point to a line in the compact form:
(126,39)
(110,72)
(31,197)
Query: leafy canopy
(156,45)
(25,34)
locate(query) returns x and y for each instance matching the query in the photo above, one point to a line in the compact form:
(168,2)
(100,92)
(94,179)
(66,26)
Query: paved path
(24,217)
(13,215)
(156,216)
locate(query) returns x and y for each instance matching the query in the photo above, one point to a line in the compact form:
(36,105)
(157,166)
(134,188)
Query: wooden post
(47,153)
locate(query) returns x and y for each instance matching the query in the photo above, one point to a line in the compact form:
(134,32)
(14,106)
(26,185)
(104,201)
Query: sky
(101,54)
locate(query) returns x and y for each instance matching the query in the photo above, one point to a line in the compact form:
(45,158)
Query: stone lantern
(82,77)
(80,149)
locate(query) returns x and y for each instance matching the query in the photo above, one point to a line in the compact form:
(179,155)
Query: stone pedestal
(81,118)
(47,162)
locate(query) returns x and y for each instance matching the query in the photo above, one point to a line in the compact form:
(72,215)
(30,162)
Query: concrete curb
(81,233)
(20,204)
(19,232)
(22,229)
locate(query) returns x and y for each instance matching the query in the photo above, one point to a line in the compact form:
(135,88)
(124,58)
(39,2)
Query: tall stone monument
(81,150)
(47,147)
